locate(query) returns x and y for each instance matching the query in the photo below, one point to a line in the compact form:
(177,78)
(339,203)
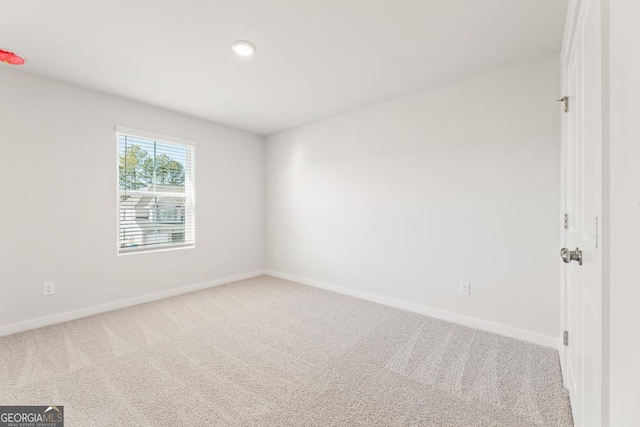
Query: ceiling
(315,59)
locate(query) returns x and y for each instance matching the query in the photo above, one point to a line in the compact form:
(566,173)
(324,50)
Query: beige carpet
(270,352)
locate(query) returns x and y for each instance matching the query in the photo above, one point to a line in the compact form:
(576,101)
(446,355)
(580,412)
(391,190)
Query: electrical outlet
(48,288)
(465,288)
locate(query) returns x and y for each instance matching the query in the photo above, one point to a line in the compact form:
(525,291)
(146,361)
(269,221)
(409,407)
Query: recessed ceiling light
(10,58)
(243,48)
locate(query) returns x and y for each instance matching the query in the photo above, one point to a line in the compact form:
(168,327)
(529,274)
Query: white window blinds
(156,188)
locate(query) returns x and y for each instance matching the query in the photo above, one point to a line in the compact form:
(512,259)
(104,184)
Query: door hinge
(565,338)
(565,103)
(566,221)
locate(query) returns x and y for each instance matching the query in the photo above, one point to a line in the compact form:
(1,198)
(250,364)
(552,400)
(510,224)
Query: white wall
(624,212)
(58,212)
(406,198)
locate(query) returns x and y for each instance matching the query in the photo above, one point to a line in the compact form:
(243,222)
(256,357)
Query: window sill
(154,248)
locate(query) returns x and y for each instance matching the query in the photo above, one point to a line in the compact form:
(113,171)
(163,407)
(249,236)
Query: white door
(583,156)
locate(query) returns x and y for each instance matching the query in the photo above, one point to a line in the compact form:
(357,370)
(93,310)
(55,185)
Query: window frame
(189,195)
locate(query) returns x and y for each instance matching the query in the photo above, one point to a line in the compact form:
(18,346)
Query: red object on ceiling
(10,58)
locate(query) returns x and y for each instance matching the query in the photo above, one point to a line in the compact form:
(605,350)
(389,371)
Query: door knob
(568,256)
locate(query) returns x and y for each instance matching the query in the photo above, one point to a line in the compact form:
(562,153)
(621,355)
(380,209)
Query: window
(156,188)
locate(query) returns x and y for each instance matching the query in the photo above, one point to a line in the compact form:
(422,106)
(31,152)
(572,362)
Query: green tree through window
(139,170)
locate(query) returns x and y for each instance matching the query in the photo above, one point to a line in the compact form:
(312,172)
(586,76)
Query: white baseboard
(89,311)
(472,322)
